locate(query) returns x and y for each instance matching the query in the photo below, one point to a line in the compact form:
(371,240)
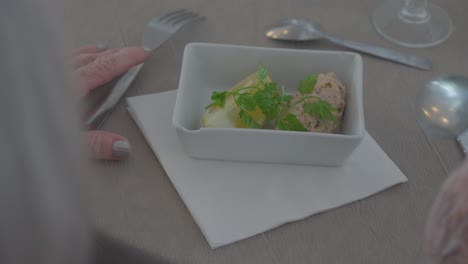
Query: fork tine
(198,17)
(187,20)
(175,20)
(178,16)
(172,13)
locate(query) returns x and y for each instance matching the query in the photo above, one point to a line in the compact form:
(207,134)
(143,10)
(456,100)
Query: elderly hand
(95,66)
(446,239)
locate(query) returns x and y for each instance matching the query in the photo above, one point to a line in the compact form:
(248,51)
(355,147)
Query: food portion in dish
(224,111)
(330,89)
(258,102)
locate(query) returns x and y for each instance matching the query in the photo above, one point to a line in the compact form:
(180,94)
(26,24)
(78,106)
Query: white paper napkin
(231,201)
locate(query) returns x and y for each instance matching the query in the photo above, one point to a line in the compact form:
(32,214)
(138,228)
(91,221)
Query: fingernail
(120,149)
(101,46)
(147,49)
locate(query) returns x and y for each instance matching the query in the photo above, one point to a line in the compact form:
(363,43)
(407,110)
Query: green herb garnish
(248,120)
(275,103)
(290,122)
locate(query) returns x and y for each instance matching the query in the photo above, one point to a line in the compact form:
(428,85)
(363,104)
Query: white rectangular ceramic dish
(210,67)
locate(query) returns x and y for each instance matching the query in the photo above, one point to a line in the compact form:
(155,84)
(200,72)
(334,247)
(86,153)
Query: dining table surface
(133,201)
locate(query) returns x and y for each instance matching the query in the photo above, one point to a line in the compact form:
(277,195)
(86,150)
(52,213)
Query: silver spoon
(304,30)
(442,106)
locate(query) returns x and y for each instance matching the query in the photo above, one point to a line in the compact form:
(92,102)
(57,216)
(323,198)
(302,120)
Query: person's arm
(42,160)
(446,238)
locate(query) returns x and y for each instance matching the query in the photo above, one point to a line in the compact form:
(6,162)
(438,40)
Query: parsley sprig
(275,103)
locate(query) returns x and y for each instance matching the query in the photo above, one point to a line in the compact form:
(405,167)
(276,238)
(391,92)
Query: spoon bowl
(296,30)
(442,106)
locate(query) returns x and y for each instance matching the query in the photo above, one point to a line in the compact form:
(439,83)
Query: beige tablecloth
(134,201)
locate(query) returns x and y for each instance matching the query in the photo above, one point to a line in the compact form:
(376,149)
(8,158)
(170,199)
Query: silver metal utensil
(305,30)
(442,108)
(157,31)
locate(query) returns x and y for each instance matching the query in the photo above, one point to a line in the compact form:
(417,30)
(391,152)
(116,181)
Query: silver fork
(157,31)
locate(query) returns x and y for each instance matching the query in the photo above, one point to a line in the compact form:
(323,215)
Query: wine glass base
(418,33)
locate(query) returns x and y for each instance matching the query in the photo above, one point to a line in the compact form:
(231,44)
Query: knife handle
(115,94)
(391,55)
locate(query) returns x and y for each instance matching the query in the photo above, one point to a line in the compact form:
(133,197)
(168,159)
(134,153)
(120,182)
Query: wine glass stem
(415,11)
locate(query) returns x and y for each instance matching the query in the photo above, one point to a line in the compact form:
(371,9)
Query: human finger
(105,68)
(103,145)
